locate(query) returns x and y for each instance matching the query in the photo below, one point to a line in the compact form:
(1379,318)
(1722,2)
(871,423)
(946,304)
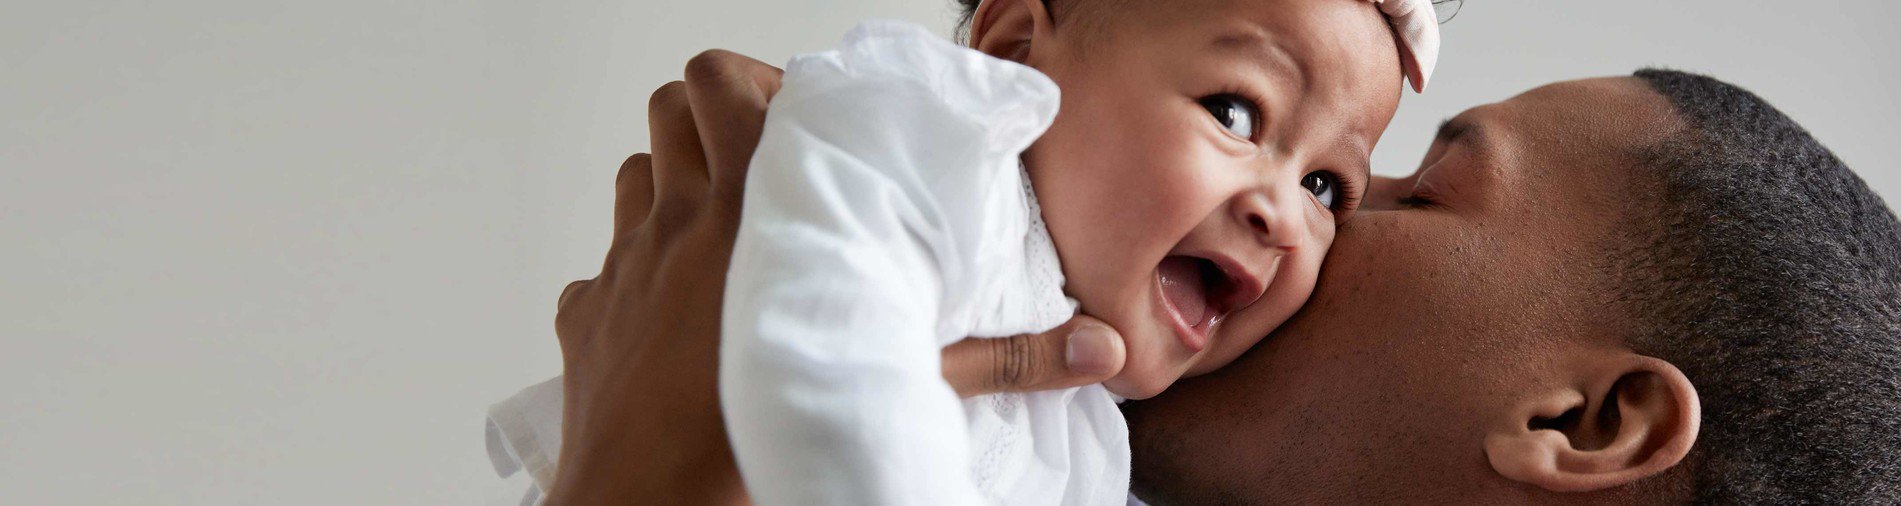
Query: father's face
(1440,301)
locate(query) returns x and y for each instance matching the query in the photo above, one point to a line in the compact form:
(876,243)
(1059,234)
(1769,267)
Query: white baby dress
(886,215)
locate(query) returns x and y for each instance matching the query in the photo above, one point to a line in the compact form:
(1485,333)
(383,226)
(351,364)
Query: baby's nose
(1271,216)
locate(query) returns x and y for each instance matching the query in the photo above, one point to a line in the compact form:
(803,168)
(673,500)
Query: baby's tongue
(1181,284)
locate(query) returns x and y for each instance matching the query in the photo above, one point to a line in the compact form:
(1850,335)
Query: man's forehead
(1620,104)
(1562,158)
(1572,130)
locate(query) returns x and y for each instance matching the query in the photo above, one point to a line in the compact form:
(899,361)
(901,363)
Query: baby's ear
(1007,28)
(1615,420)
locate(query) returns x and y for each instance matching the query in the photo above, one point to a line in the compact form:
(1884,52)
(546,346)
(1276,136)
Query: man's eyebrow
(1455,129)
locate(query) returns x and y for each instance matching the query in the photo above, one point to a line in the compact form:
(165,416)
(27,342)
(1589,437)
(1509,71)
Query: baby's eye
(1236,114)
(1323,185)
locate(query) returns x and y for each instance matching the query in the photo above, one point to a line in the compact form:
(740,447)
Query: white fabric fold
(524,434)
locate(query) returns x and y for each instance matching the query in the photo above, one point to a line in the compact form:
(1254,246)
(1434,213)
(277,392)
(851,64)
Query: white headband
(1415,25)
(1417,28)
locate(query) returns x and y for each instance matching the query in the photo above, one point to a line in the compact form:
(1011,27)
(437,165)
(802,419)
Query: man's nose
(1385,193)
(1272,216)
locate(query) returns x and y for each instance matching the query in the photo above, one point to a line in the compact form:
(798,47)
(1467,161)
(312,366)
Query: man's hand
(1080,352)
(640,342)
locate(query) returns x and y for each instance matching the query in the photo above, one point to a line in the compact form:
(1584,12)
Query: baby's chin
(1139,386)
(1147,373)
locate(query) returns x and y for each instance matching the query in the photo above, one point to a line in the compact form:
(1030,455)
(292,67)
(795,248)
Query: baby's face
(1204,152)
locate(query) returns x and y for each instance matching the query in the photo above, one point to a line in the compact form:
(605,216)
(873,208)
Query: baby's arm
(830,376)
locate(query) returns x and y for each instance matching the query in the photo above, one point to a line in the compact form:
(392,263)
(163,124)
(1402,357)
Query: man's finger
(679,162)
(1080,352)
(571,321)
(729,93)
(569,291)
(633,195)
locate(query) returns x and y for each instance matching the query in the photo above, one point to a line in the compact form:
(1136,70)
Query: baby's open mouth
(1201,291)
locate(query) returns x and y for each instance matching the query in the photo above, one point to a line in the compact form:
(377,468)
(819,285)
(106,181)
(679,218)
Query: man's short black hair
(1771,275)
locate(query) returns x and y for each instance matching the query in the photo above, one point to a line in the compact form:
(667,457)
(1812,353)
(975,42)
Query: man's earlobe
(1007,28)
(1628,419)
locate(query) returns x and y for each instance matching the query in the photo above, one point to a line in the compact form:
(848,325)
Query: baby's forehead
(1299,23)
(1333,43)
(1332,66)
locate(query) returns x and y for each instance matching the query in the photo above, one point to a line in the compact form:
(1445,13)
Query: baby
(1186,192)
(908,193)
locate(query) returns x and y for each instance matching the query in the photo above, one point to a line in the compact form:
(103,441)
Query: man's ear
(1006,28)
(1622,419)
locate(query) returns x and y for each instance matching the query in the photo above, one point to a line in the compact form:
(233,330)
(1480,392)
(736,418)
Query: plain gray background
(288,252)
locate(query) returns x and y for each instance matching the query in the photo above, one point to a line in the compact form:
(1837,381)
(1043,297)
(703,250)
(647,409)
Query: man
(1510,322)
(1638,289)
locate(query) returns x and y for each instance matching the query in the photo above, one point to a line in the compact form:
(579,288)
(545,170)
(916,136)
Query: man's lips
(1198,292)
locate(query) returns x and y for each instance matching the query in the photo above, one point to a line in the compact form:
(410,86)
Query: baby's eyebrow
(1259,49)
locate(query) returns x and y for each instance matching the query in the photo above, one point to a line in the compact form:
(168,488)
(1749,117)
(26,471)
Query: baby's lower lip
(1184,301)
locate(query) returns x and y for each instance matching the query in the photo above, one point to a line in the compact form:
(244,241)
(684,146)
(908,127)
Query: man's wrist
(608,473)
(638,486)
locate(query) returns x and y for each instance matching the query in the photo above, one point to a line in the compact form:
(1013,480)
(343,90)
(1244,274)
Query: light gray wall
(1830,64)
(287,252)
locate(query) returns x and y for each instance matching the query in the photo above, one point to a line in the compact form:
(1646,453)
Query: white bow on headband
(1417,28)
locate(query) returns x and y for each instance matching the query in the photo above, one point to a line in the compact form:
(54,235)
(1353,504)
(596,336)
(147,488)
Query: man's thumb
(1080,352)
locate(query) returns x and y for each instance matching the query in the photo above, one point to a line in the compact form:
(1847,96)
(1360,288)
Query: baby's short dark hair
(967,10)
(1771,275)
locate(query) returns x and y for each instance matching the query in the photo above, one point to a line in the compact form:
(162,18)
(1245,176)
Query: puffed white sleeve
(882,166)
